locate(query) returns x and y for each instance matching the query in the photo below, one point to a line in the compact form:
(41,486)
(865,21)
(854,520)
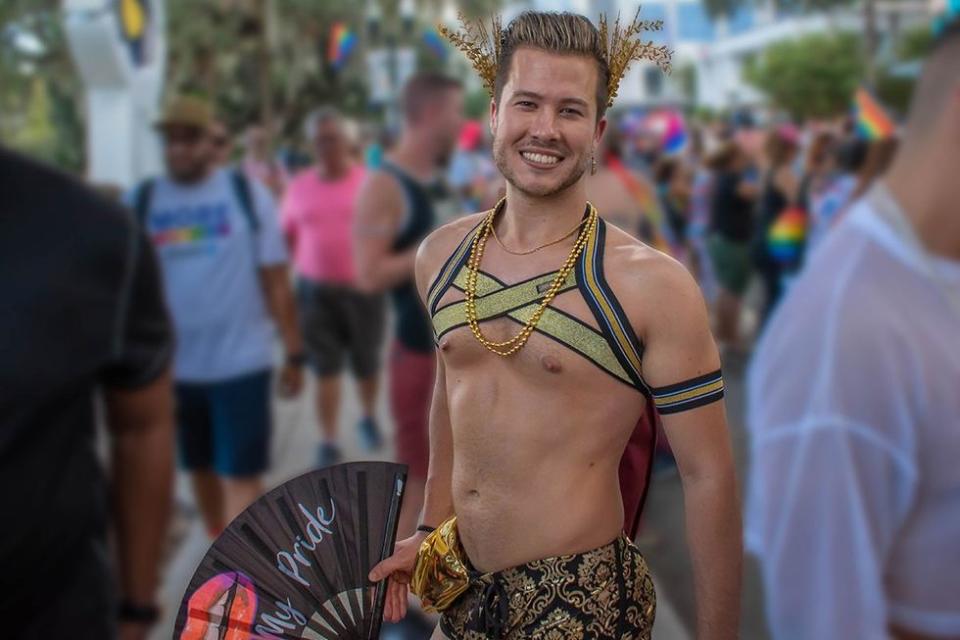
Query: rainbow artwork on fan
(294,564)
(232,593)
(786,236)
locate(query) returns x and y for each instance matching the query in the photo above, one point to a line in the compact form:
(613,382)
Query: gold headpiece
(619,47)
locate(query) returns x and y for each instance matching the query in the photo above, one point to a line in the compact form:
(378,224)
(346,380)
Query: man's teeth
(540,158)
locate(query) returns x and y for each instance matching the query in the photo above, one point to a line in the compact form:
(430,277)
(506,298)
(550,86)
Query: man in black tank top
(396,209)
(556,334)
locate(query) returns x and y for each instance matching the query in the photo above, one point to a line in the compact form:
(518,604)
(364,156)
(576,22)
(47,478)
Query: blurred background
(810,91)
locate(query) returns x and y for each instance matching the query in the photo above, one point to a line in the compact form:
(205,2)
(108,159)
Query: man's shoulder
(848,315)
(641,271)
(53,196)
(657,293)
(444,240)
(379,185)
(440,245)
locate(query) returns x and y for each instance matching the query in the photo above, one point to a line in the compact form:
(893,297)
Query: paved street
(662,541)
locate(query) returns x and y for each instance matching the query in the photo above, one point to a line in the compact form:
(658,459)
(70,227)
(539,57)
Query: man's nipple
(551,364)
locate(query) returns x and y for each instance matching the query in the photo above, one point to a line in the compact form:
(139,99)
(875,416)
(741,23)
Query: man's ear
(493,116)
(598,134)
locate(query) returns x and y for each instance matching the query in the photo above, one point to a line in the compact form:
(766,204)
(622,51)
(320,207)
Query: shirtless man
(524,449)
(623,197)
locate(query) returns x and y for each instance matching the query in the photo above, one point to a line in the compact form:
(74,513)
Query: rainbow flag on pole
(342,43)
(873,121)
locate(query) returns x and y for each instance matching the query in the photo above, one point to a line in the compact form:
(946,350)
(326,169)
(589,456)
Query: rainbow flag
(873,122)
(342,43)
(786,236)
(668,127)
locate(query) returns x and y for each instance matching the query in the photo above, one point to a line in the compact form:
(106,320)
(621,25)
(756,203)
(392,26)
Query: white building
(717,50)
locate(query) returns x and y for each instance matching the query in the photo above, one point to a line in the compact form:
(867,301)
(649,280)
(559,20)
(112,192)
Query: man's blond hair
(562,33)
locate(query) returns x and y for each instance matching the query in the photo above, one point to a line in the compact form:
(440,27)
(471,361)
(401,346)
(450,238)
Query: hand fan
(295,563)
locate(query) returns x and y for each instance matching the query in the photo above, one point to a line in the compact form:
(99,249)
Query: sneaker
(370,438)
(328,454)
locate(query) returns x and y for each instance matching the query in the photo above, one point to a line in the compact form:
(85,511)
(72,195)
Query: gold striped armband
(690,394)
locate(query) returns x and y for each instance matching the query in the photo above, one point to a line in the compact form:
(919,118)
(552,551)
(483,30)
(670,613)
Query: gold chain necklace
(493,231)
(514,344)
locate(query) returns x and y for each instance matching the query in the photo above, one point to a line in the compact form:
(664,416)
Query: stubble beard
(500,157)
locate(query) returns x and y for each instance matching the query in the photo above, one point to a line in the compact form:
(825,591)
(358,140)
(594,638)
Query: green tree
(41,94)
(242,54)
(915,43)
(871,36)
(810,77)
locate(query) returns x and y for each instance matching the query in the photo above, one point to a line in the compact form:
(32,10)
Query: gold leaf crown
(483,48)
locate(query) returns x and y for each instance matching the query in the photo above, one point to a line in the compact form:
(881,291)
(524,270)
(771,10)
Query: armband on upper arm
(689,394)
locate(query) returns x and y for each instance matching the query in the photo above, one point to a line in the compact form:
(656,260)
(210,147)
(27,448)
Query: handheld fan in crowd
(295,563)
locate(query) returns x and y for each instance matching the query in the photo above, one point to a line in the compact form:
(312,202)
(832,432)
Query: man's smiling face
(545,123)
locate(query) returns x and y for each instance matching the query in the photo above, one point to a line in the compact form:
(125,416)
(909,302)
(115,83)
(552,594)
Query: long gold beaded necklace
(514,344)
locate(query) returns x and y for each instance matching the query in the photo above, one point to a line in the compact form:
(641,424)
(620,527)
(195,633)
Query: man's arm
(377,218)
(438,499)
(289,220)
(141,424)
(679,347)
(271,257)
(283,309)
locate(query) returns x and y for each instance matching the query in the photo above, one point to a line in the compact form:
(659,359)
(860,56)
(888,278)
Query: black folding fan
(295,563)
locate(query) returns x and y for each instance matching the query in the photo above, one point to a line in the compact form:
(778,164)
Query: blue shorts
(225,426)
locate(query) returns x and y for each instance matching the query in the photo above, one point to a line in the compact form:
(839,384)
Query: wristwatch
(297,359)
(145,614)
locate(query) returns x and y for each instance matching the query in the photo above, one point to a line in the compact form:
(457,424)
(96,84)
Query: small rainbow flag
(342,43)
(668,127)
(786,235)
(873,122)
(435,43)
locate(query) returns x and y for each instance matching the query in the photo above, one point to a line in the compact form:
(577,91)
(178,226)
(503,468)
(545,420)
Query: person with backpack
(224,266)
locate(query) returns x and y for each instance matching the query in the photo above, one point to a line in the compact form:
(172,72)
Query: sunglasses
(184,136)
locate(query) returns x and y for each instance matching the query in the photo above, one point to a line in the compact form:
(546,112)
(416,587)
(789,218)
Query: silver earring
(593,165)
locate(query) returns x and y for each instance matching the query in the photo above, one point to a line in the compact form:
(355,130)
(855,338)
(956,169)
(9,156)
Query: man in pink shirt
(338,321)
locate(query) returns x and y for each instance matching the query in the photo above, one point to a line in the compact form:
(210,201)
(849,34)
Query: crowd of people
(831,256)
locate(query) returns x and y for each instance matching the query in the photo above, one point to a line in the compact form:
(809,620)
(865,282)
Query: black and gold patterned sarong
(602,594)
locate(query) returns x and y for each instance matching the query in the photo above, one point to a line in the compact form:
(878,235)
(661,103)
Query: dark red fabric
(411,388)
(635,467)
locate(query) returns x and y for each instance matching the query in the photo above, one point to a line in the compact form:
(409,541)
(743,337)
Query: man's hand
(399,569)
(283,308)
(291,381)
